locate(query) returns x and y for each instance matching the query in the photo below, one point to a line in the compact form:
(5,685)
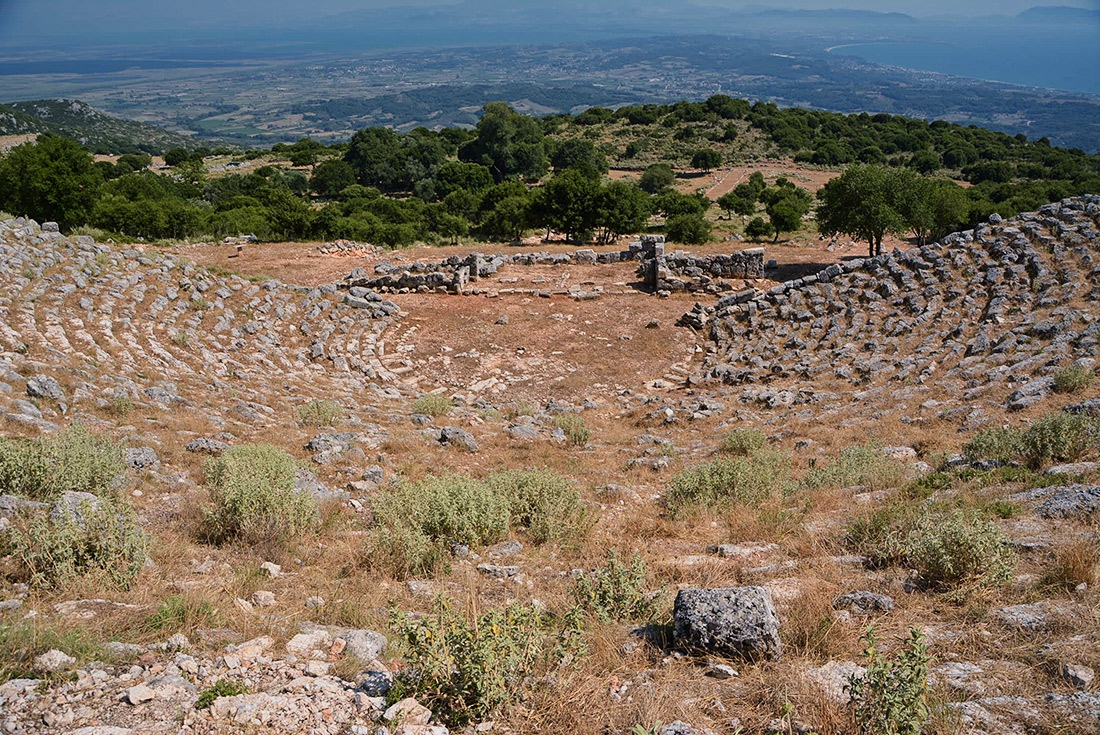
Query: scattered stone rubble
(156,689)
(349,248)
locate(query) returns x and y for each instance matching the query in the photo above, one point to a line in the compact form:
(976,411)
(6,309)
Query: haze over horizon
(21,17)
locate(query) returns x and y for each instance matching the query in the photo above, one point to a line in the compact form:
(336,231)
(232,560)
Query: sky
(18,17)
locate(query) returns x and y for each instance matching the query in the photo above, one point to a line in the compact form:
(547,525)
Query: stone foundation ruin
(678,271)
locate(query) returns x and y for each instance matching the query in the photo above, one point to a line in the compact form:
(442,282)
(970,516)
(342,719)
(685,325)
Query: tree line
(513,174)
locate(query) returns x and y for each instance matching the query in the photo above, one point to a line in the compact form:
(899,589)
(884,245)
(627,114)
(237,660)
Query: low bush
(892,697)
(616,591)
(72,460)
(223,688)
(415,523)
(543,503)
(121,404)
(960,548)
(880,533)
(573,426)
(101,538)
(254,498)
(863,465)
(744,481)
(947,548)
(1000,443)
(320,413)
(1073,379)
(1059,437)
(463,669)
(742,442)
(432,404)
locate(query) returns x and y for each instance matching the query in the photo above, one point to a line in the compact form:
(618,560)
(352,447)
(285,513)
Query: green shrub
(121,404)
(415,523)
(948,549)
(545,504)
(464,669)
(573,426)
(1059,437)
(864,465)
(320,413)
(72,460)
(1000,443)
(93,232)
(254,498)
(744,481)
(880,533)
(101,538)
(1073,379)
(617,591)
(432,404)
(223,688)
(892,697)
(961,548)
(743,442)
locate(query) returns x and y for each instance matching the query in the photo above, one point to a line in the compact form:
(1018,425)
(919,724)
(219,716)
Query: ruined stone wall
(677,271)
(681,271)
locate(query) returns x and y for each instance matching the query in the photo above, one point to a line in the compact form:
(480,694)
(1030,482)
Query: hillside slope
(100,132)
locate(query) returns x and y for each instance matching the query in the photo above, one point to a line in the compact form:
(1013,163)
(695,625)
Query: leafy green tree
(865,202)
(756,181)
(933,208)
(706,159)
(456,175)
(926,162)
(373,155)
(580,155)
(744,202)
(192,171)
(689,229)
(451,227)
(671,203)
(331,178)
(509,219)
(304,152)
(657,177)
(740,200)
(786,204)
(131,162)
(176,156)
(621,208)
(568,204)
(757,229)
(727,107)
(507,143)
(462,203)
(52,179)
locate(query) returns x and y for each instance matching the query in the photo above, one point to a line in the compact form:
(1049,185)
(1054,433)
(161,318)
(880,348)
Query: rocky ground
(911,353)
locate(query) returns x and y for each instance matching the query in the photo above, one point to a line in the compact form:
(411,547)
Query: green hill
(97,131)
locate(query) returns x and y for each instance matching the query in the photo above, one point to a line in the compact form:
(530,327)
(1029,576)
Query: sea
(1062,60)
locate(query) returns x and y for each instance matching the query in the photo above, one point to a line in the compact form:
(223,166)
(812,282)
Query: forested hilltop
(514,174)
